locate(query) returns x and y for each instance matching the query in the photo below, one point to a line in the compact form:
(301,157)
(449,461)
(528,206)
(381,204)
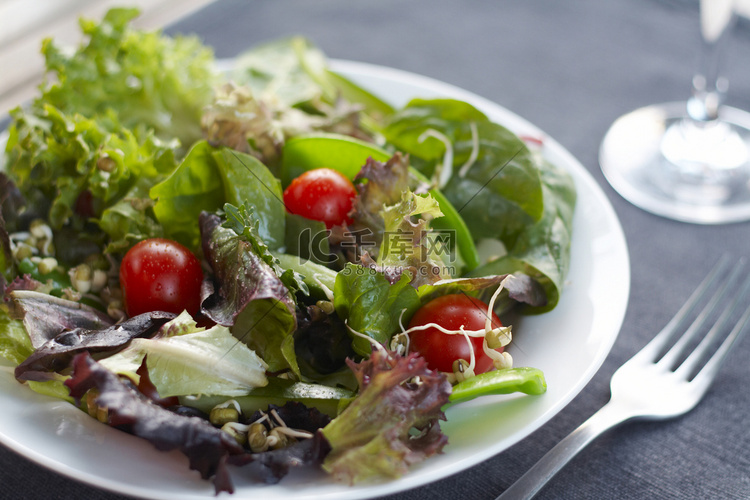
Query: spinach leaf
(248,181)
(505,192)
(542,250)
(501,192)
(209,177)
(371,305)
(192,188)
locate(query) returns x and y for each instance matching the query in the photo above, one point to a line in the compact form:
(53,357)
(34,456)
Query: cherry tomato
(322,194)
(160,275)
(440,349)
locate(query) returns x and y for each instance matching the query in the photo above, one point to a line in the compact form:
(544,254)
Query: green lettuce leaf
(131,219)
(67,157)
(15,344)
(183,359)
(248,181)
(146,79)
(192,188)
(296,72)
(407,245)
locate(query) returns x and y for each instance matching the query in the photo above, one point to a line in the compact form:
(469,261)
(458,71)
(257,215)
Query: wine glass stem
(709,87)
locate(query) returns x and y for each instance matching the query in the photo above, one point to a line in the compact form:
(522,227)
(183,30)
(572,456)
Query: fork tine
(669,360)
(691,363)
(707,374)
(652,350)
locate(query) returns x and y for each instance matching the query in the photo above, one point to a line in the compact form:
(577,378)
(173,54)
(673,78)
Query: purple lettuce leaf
(393,423)
(45,316)
(247,295)
(206,447)
(56,354)
(378,184)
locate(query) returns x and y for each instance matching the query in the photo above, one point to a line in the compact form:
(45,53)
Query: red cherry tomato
(160,275)
(440,349)
(322,194)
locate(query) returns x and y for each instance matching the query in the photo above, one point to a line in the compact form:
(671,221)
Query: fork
(667,378)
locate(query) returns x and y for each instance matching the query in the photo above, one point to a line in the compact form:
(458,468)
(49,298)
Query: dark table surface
(571,68)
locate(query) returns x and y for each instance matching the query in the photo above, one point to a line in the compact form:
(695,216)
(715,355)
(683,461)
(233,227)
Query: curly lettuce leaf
(184,359)
(248,295)
(392,424)
(408,245)
(131,219)
(379,184)
(146,79)
(371,305)
(82,165)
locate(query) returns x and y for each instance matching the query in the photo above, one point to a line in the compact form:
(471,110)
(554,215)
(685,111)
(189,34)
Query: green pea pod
(522,379)
(347,155)
(279,391)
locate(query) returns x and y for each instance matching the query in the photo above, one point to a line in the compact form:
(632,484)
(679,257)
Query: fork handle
(555,459)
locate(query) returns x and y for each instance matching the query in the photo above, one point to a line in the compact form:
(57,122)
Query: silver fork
(660,381)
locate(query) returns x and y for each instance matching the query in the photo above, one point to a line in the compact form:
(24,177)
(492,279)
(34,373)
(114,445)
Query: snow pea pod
(522,379)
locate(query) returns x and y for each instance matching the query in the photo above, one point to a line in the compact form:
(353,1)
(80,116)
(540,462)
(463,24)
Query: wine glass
(688,161)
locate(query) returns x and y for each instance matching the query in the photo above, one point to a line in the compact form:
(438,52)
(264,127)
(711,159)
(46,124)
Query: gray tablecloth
(571,68)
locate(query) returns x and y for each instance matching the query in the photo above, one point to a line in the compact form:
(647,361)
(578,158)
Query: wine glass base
(665,164)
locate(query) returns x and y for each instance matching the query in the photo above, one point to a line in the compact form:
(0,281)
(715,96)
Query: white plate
(569,345)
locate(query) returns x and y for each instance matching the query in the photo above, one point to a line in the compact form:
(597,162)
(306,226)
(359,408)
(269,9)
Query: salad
(267,267)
